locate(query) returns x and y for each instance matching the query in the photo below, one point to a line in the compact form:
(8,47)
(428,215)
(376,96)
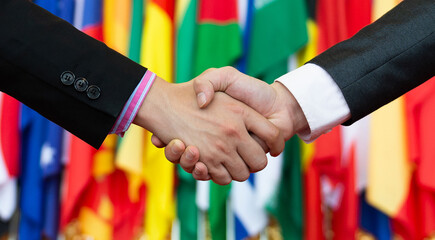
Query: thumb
(210,81)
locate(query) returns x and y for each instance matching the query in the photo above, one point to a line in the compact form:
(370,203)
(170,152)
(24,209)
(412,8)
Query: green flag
(187,210)
(218,43)
(137,18)
(286,206)
(219,37)
(278,31)
(185,39)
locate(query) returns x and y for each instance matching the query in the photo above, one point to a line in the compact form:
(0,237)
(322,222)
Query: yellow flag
(390,170)
(129,157)
(96,225)
(380,7)
(157,55)
(117,24)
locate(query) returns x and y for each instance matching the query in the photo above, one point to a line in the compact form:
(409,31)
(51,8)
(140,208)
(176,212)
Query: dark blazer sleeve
(36,48)
(385,59)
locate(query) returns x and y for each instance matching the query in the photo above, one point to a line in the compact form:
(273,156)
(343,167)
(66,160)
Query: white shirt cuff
(319,97)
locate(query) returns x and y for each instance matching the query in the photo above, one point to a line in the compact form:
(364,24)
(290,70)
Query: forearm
(38,47)
(385,59)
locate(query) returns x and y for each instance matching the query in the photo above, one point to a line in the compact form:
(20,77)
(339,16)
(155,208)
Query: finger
(189,158)
(220,175)
(260,142)
(157,142)
(200,172)
(211,81)
(237,167)
(205,88)
(174,151)
(265,130)
(252,154)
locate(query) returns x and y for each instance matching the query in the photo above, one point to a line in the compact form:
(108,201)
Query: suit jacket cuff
(320,98)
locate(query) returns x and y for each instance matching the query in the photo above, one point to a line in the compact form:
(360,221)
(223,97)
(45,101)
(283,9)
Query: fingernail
(189,155)
(201,99)
(176,148)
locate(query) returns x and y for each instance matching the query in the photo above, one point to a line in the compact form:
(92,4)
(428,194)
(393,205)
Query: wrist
(151,109)
(292,109)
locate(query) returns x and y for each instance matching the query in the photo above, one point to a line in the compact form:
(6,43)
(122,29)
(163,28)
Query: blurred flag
(96,209)
(373,221)
(416,218)
(313,217)
(66,10)
(40,181)
(137,19)
(218,35)
(157,55)
(88,18)
(390,169)
(249,209)
(123,23)
(278,31)
(49,5)
(33,128)
(186,26)
(116,24)
(50,161)
(273,31)
(354,139)
(9,155)
(107,211)
(286,205)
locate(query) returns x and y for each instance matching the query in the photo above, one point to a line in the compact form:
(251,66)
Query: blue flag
(66,10)
(33,133)
(50,160)
(49,5)
(374,221)
(41,156)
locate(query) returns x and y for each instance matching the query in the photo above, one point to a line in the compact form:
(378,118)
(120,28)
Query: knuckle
(228,69)
(274,134)
(231,131)
(221,146)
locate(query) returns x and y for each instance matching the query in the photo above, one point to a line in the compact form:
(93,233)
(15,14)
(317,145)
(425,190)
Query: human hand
(220,132)
(273,101)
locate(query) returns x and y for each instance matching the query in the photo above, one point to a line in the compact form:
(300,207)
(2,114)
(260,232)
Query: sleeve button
(93,92)
(67,78)
(81,84)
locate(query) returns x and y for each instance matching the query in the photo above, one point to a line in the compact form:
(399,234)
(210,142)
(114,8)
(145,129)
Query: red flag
(313,220)
(10,137)
(126,218)
(78,176)
(337,20)
(416,219)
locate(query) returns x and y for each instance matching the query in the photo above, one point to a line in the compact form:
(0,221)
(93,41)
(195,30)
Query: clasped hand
(227,133)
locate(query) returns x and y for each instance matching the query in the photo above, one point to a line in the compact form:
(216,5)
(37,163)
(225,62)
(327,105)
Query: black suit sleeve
(385,59)
(36,47)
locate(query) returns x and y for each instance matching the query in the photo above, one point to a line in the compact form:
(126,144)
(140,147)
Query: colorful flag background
(372,180)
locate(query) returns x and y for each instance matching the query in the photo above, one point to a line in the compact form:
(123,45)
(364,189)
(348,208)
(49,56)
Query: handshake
(227,120)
